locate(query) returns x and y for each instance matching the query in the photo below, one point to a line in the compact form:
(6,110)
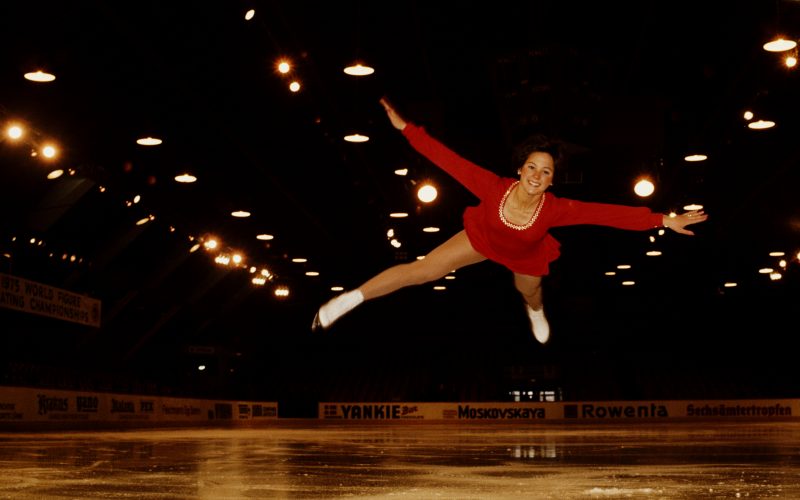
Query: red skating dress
(529,251)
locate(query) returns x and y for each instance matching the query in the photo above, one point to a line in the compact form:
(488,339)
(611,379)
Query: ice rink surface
(299,458)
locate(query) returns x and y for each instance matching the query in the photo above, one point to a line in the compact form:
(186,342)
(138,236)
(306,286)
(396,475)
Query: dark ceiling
(630,86)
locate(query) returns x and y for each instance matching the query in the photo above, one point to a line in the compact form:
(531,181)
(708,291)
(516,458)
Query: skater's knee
(528,286)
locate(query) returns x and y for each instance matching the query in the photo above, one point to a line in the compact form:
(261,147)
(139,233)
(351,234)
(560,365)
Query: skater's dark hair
(537,143)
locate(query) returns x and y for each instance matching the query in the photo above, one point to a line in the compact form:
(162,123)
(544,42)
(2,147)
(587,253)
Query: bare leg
(453,254)
(531,289)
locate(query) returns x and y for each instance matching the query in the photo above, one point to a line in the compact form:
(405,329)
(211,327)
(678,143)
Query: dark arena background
(156,298)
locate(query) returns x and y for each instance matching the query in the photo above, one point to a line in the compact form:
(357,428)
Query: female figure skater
(509,225)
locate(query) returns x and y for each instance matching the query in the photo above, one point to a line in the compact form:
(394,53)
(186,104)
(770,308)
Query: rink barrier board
(584,411)
(26,407)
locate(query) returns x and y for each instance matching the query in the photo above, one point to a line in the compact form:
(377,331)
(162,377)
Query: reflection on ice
(311,459)
(543,451)
(623,492)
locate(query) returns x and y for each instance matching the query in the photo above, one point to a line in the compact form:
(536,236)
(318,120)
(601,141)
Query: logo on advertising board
(495,413)
(615,411)
(371,411)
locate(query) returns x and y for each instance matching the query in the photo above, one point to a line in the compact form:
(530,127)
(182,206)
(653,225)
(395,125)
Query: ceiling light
(644,187)
(696,157)
(780,45)
(49,151)
(264,237)
(426,193)
(398,215)
(148,141)
(761,124)
(356,138)
(40,76)
(240,213)
(185,178)
(14,132)
(359,69)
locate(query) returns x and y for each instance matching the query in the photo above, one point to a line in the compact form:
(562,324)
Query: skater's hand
(678,223)
(397,121)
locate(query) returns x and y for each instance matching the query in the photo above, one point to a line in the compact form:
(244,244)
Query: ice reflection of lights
(547,450)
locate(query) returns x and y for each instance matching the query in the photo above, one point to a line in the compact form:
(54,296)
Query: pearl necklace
(533,217)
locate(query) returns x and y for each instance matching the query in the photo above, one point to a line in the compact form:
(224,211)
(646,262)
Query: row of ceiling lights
(426,192)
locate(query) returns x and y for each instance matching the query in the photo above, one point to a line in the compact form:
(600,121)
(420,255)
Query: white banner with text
(37,298)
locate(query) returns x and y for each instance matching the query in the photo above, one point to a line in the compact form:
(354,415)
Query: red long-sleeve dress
(529,251)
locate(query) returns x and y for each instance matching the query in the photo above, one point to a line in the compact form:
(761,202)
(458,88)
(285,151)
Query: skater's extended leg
(453,254)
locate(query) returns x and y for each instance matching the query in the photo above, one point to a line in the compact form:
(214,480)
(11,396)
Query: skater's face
(536,175)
